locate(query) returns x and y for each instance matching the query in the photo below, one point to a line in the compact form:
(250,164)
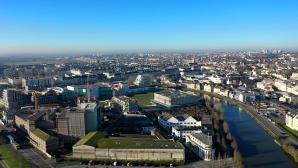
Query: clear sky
(53,26)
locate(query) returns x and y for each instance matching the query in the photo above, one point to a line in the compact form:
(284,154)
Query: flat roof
(90,139)
(137,143)
(175,93)
(99,140)
(41,134)
(203,138)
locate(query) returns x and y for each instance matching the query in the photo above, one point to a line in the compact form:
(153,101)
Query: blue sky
(53,26)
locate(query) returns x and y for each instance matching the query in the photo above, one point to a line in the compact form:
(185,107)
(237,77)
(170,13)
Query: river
(258,148)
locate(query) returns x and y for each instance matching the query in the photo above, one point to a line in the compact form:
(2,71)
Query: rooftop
(137,143)
(90,139)
(203,138)
(99,140)
(175,93)
(41,134)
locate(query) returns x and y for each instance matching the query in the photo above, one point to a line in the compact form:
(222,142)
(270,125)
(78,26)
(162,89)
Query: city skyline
(52,27)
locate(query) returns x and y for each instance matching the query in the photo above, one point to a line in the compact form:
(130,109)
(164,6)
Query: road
(2,165)
(35,158)
(31,154)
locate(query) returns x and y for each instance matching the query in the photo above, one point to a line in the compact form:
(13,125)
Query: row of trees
(226,145)
(290,149)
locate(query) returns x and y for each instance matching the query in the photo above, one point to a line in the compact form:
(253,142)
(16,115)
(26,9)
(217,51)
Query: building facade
(201,145)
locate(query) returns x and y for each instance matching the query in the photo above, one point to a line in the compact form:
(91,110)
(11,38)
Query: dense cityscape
(146,109)
(148,83)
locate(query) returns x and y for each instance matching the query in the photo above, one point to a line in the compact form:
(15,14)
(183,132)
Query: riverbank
(276,133)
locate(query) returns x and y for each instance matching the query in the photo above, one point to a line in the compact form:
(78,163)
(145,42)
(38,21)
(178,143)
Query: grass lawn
(91,138)
(12,158)
(144,99)
(288,130)
(136,143)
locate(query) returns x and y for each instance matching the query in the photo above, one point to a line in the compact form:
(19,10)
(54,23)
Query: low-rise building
(27,121)
(174,98)
(95,146)
(125,104)
(201,145)
(168,121)
(183,132)
(292,120)
(43,141)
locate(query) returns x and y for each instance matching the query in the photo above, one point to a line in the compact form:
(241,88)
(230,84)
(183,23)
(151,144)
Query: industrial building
(167,120)
(97,147)
(27,121)
(175,98)
(74,123)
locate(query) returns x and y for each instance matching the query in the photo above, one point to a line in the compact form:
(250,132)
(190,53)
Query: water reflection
(258,149)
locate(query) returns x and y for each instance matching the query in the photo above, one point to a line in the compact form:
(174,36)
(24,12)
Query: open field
(12,158)
(144,99)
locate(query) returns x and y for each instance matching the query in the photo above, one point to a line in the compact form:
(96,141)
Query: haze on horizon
(78,26)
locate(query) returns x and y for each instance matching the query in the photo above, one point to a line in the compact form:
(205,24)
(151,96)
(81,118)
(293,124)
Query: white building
(215,79)
(15,81)
(201,145)
(224,92)
(175,98)
(216,90)
(168,121)
(183,132)
(143,80)
(292,120)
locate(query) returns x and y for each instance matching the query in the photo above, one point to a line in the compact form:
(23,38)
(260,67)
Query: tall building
(93,115)
(71,124)
(37,83)
(74,123)
(13,100)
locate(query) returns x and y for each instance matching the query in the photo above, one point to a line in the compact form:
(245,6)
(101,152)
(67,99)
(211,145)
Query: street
(35,158)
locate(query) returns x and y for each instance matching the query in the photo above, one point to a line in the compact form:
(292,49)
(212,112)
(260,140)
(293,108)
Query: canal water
(258,149)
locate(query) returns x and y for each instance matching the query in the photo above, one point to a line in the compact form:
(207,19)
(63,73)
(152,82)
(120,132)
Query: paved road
(102,166)
(35,158)
(223,163)
(2,165)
